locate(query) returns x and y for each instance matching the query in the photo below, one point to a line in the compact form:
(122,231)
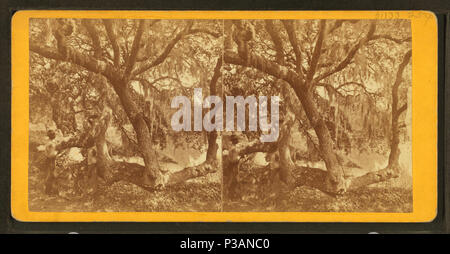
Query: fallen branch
(133,172)
(316,178)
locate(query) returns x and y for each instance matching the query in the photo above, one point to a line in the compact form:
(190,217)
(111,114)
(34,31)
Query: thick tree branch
(401,109)
(132,172)
(268,67)
(113,39)
(145,66)
(398,81)
(372,177)
(349,56)
(131,60)
(151,83)
(45,51)
(257,146)
(187,173)
(216,75)
(289,26)
(72,56)
(330,87)
(211,153)
(276,39)
(93,34)
(316,53)
(146,83)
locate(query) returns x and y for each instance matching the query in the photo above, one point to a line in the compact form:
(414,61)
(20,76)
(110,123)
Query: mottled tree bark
(335,180)
(152,176)
(104,159)
(286,164)
(214,89)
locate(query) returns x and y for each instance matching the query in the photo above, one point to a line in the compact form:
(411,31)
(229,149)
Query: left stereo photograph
(101,137)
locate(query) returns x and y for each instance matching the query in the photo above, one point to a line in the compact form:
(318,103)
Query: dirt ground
(307,199)
(204,195)
(126,197)
(257,193)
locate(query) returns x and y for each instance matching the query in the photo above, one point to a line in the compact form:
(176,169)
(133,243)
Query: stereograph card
(214,116)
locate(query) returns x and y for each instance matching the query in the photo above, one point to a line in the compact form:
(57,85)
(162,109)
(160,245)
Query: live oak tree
(298,58)
(121,57)
(332,54)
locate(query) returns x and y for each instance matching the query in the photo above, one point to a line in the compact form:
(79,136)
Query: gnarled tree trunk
(210,165)
(335,181)
(104,159)
(152,175)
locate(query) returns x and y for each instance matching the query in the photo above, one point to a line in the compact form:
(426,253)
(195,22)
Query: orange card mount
(214,116)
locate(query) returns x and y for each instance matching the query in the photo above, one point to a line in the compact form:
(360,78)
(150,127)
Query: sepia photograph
(101,138)
(261,115)
(344,125)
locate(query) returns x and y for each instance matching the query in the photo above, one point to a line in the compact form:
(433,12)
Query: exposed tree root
(133,172)
(316,178)
(373,177)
